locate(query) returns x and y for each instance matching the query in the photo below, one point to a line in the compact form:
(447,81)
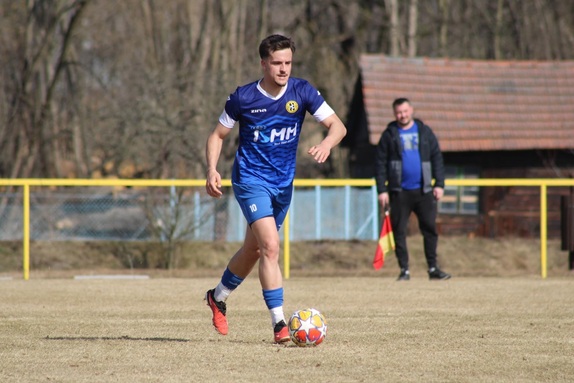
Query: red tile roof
(476,105)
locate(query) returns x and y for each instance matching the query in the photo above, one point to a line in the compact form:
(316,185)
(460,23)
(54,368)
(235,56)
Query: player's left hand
(320,152)
(438,193)
(213,184)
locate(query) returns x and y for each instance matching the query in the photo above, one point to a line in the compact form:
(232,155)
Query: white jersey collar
(269,95)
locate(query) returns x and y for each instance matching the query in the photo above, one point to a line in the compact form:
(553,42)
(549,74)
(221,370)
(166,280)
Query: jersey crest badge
(292,106)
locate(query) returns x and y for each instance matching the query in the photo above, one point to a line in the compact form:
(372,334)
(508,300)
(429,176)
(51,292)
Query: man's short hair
(400,101)
(275,43)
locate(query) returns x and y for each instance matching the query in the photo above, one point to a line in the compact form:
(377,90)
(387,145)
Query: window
(460,199)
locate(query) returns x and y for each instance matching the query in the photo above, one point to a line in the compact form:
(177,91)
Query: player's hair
(275,43)
(400,101)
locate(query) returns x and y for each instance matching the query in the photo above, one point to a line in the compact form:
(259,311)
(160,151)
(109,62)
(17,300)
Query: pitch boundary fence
(26,183)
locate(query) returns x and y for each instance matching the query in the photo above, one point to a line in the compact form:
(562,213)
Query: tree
(38,54)
(132,88)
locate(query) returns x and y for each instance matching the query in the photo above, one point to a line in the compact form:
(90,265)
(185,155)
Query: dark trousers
(425,208)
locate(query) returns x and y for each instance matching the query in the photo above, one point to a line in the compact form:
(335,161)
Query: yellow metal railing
(542,183)
(26,183)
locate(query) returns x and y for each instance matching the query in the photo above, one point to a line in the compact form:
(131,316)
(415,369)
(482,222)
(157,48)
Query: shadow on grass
(153,339)
(124,337)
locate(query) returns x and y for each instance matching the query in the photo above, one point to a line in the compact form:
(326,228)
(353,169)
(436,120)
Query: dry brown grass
(461,256)
(159,330)
(495,321)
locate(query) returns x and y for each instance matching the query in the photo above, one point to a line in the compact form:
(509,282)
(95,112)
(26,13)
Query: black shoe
(436,273)
(404,275)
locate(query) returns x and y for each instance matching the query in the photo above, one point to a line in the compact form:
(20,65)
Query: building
(493,119)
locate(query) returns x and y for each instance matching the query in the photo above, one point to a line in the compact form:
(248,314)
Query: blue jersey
(412,177)
(269,130)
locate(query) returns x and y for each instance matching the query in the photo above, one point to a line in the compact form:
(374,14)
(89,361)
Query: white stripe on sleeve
(323,112)
(226,121)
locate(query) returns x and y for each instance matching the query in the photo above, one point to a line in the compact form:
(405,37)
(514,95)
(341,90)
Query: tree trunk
(413,24)
(264,24)
(394,31)
(498,30)
(443,34)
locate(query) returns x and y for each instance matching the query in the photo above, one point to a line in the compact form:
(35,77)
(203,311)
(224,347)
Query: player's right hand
(384,199)
(213,184)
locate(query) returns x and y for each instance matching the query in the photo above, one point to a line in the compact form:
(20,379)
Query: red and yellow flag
(386,243)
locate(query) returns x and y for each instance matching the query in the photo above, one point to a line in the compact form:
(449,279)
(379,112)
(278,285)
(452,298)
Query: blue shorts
(258,201)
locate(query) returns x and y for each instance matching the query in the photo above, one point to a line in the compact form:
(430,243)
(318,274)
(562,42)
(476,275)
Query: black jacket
(389,161)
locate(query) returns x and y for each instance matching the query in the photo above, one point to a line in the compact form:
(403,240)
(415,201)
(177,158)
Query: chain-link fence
(184,214)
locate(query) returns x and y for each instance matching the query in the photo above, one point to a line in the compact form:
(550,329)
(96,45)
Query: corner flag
(386,243)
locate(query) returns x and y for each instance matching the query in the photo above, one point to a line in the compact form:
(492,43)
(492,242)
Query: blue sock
(228,283)
(273,298)
(230,280)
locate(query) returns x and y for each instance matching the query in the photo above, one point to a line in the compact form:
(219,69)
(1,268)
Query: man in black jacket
(408,157)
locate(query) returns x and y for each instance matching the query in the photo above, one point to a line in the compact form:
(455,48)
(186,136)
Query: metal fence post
(317,212)
(375,200)
(543,229)
(286,248)
(26,233)
(347,211)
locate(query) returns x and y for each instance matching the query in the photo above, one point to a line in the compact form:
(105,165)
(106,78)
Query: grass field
(516,329)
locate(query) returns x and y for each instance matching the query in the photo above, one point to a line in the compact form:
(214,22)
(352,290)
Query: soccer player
(270,113)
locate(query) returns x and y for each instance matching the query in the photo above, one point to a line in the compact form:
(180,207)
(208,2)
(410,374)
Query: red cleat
(218,308)
(281,333)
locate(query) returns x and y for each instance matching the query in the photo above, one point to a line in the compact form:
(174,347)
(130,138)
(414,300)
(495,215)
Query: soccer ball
(307,327)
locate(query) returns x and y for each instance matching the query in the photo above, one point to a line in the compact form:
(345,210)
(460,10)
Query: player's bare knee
(269,249)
